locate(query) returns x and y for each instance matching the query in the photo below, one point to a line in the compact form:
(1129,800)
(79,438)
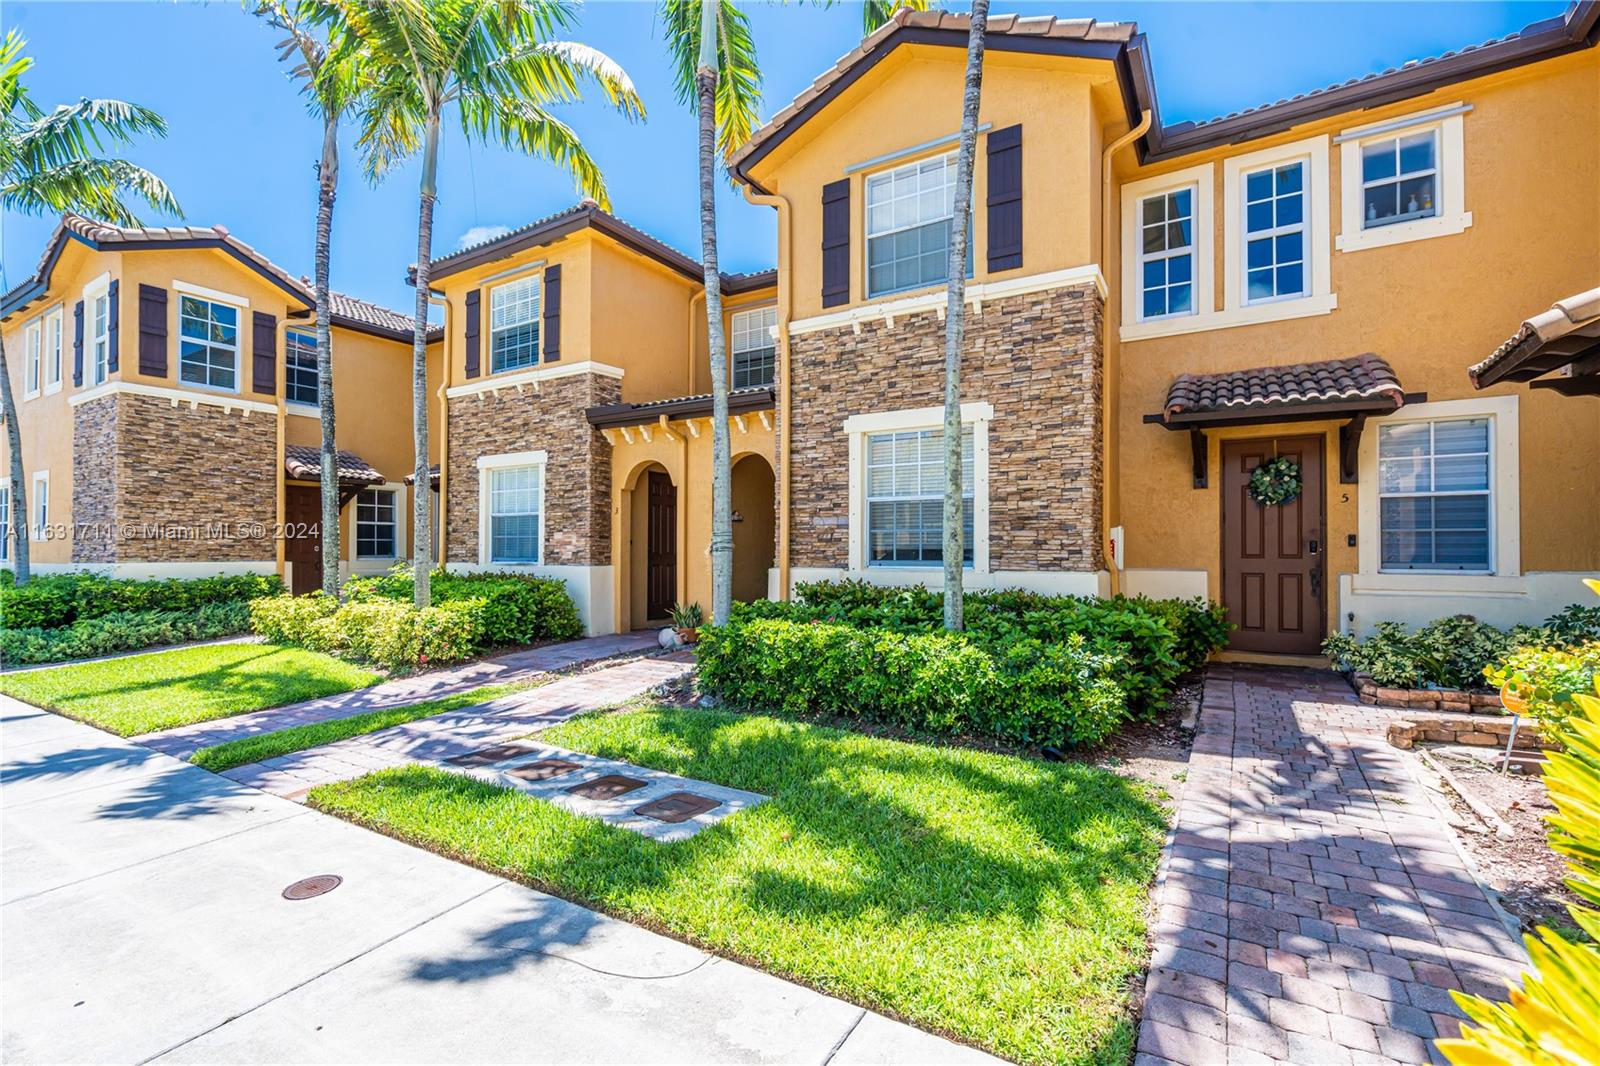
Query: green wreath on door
(1276,481)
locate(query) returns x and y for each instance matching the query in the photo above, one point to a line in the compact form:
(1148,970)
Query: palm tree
(50,162)
(331,89)
(494,61)
(715,69)
(955,316)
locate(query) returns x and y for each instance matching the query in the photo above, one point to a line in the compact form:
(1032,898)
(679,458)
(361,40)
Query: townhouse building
(1156,311)
(166,388)
(1387,287)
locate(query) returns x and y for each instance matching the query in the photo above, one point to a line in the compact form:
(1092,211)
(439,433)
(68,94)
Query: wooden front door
(302,513)
(1272,556)
(661,579)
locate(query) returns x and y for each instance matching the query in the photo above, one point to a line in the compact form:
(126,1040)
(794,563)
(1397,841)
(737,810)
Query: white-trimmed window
(905,497)
(32,358)
(910,212)
(514,325)
(754,349)
(1403,179)
(5,521)
(99,338)
(41,505)
(376,522)
(511,508)
(1166,254)
(208,343)
(54,336)
(1275,232)
(300,367)
(1435,495)
(896,488)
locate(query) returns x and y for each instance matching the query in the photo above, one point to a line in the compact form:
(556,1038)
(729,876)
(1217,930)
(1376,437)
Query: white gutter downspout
(1108,432)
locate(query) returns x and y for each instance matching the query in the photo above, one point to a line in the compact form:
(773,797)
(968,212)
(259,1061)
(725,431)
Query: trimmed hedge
(1160,639)
(1021,689)
(55,600)
(107,634)
(517,608)
(379,630)
(1454,652)
(1029,668)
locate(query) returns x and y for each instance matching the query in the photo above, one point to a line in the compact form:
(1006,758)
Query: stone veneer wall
(1038,358)
(94,480)
(206,476)
(577,485)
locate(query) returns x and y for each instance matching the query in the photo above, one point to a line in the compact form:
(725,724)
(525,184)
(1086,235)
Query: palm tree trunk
(17,520)
(955,317)
(421,491)
(327,187)
(721,474)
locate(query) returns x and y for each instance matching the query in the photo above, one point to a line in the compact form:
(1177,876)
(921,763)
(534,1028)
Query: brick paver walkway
(184,741)
(1313,906)
(457,732)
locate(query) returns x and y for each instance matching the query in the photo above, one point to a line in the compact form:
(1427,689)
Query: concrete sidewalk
(142,919)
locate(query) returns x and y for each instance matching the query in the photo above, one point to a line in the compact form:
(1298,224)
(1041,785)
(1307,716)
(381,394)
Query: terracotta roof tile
(1563,317)
(367,313)
(1330,381)
(304,463)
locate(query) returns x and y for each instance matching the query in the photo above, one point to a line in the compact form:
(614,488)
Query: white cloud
(479,234)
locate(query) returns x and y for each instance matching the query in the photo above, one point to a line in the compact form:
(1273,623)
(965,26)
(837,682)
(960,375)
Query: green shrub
(1548,677)
(55,600)
(1158,639)
(1454,652)
(516,608)
(108,634)
(1018,689)
(378,630)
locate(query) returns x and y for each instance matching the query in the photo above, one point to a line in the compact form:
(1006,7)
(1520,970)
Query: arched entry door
(754,517)
(661,547)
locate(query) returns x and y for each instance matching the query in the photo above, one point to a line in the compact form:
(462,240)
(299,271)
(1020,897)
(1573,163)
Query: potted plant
(687,620)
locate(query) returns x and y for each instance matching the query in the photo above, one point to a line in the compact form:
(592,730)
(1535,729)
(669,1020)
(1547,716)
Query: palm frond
(93,187)
(527,127)
(738,70)
(72,131)
(552,71)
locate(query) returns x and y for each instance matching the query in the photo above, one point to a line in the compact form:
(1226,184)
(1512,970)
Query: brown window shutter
(113,326)
(472,332)
(264,352)
(1005,199)
(77,345)
(153,331)
(552,313)
(836,243)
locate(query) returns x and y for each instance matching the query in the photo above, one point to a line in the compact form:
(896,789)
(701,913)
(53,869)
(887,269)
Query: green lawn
(142,693)
(995,899)
(299,738)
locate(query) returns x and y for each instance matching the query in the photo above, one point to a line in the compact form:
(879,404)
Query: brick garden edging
(1455,700)
(1473,730)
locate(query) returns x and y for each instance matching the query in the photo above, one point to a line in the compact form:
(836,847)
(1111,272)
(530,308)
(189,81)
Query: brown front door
(661,582)
(1272,556)
(302,513)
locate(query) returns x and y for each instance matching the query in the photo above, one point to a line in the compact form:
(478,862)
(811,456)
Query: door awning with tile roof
(1352,389)
(1333,388)
(301,462)
(1556,349)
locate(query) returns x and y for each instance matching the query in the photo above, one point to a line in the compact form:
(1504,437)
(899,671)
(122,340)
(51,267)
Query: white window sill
(1404,232)
(1255,314)
(51,390)
(304,409)
(1416,582)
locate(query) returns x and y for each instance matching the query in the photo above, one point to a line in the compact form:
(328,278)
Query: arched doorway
(754,521)
(653,556)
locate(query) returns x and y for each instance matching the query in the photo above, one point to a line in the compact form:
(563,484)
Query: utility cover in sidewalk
(309,887)
(677,807)
(543,770)
(498,753)
(608,787)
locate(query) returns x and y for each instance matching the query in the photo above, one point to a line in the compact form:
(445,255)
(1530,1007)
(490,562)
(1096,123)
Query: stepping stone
(543,770)
(677,807)
(608,787)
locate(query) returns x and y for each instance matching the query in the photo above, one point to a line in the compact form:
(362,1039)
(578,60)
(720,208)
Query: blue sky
(241,146)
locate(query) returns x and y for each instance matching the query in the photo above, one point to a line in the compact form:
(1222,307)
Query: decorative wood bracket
(1197,449)
(1350,449)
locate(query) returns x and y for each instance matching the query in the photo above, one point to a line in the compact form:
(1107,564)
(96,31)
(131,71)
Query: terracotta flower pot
(688,636)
